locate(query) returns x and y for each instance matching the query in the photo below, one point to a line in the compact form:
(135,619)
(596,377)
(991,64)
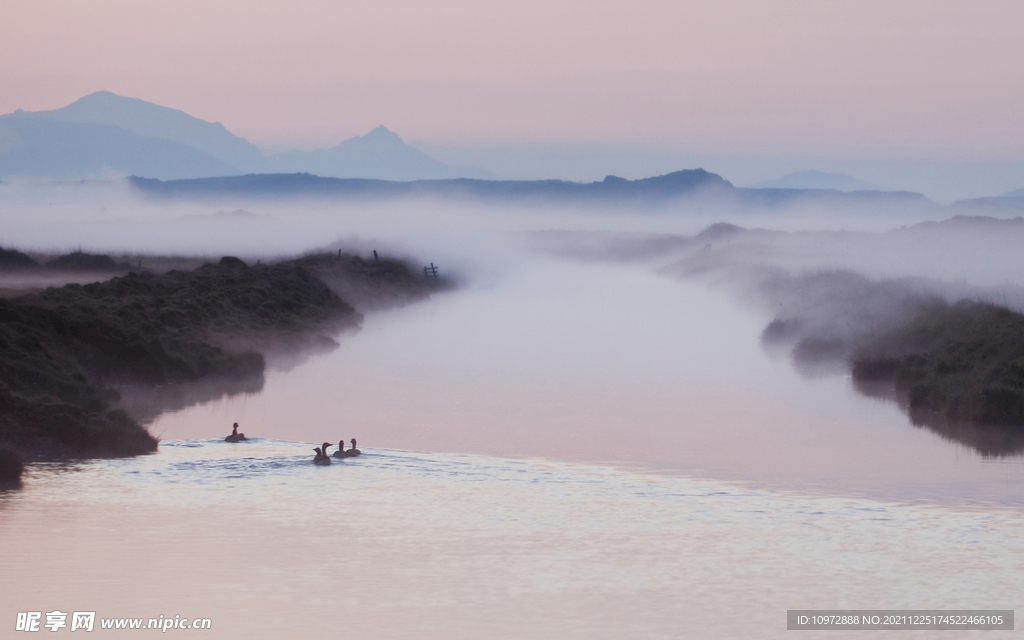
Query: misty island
(955,368)
(953,364)
(65,350)
(949,354)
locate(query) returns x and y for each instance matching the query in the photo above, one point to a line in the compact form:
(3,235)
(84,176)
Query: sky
(909,78)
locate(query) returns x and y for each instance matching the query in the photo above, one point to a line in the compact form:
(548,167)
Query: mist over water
(600,336)
(111,216)
(587,437)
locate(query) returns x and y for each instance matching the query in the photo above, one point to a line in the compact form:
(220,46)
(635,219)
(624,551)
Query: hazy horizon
(917,79)
(603,411)
(937,173)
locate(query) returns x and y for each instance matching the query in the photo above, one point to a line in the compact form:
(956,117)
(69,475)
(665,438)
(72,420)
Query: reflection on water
(146,402)
(992,441)
(615,457)
(399,544)
(610,364)
(730,487)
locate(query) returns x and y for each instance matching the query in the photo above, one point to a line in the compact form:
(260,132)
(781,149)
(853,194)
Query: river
(556,449)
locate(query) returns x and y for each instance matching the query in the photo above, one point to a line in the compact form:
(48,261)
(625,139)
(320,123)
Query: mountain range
(700,190)
(612,189)
(380,154)
(818,180)
(707,191)
(106,135)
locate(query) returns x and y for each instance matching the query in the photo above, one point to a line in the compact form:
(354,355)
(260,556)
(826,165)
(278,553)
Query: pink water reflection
(606,364)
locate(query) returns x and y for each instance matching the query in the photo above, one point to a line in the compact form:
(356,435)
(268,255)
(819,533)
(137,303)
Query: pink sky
(908,75)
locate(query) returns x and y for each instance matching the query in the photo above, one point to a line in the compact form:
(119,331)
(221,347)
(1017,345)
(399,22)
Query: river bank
(64,350)
(956,368)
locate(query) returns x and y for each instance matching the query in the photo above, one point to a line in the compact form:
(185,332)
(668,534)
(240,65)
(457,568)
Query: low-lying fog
(601,336)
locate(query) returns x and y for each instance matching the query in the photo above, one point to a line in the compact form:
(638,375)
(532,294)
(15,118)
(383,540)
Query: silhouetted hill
(79,261)
(611,189)
(56,150)
(155,121)
(104,134)
(12,259)
(380,154)
(710,189)
(817,180)
(998,205)
(905,200)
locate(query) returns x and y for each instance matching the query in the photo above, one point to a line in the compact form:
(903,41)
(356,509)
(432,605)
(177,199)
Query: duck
(235,436)
(353,451)
(321,454)
(341,453)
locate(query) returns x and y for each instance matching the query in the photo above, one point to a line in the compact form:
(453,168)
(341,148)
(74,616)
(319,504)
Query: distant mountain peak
(104,95)
(379,137)
(382,132)
(108,100)
(105,131)
(813,179)
(105,102)
(148,119)
(378,154)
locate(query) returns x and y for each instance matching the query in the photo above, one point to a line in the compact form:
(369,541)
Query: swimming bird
(321,455)
(353,451)
(235,436)
(341,453)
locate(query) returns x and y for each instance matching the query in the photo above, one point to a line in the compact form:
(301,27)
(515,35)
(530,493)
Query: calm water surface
(399,544)
(607,364)
(559,451)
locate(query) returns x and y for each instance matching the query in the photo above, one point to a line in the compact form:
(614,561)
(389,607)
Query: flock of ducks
(321,456)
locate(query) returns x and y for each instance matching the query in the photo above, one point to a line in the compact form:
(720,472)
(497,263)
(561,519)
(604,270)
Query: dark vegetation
(369,284)
(74,261)
(64,350)
(11,468)
(956,368)
(11,259)
(79,261)
(825,316)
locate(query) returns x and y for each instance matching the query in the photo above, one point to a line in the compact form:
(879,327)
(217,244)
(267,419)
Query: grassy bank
(63,349)
(957,368)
